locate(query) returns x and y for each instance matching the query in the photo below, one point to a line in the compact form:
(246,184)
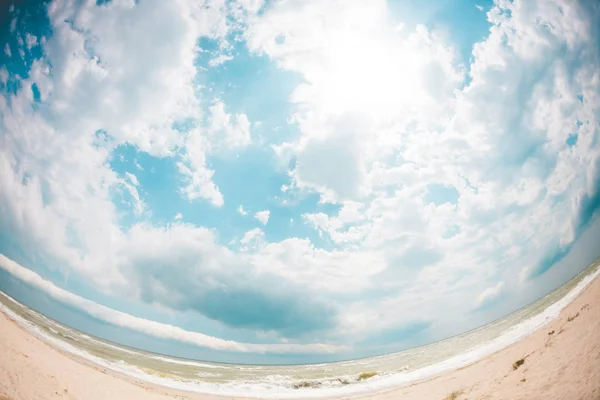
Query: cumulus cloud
(332,165)
(152,328)
(219,60)
(196,175)
(263,216)
(353,91)
(498,137)
(490,295)
(224,132)
(227,130)
(101,89)
(216,282)
(252,239)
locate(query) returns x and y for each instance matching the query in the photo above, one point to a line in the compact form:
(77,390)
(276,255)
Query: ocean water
(303,381)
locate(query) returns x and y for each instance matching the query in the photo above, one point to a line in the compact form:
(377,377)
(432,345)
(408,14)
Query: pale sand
(562,366)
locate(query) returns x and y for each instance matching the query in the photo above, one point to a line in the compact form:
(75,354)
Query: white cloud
(96,77)
(480,8)
(7,50)
(219,60)
(490,294)
(332,165)
(223,133)
(125,104)
(227,130)
(252,238)
(30,40)
(152,328)
(178,216)
(241,211)
(132,178)
(366,83)
(197,176)
(137,203)
(251,6)
(263,216)
(299,261)
(345,227)
(498,139)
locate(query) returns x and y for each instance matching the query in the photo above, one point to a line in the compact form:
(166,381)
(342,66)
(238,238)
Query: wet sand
(560,361)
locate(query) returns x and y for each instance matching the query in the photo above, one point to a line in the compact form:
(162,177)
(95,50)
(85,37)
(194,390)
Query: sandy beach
(559,361)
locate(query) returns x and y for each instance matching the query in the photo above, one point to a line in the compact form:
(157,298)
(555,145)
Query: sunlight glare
(369,75)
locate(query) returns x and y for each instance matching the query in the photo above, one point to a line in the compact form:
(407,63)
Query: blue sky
(295,181)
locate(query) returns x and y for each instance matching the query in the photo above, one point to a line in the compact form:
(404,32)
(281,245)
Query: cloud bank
(153,328)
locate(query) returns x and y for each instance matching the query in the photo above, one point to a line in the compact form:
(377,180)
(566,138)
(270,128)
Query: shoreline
(569,357)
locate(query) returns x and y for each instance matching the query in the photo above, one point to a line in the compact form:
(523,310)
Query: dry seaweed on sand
(571,318)
(306,384)
(366,375)
(518,363)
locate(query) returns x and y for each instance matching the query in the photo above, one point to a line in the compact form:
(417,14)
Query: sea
(336,379)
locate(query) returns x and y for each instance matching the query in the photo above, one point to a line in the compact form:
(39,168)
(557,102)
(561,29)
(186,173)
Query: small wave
(185,362)
(203,374)
(112,346)
(53,330)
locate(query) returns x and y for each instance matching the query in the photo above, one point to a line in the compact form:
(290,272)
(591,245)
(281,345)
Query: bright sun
(369,75)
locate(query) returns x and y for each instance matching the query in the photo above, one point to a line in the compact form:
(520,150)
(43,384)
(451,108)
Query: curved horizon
(295,182)
(504,317)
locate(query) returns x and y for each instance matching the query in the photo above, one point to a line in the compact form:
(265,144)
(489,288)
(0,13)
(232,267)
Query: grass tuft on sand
(454,395)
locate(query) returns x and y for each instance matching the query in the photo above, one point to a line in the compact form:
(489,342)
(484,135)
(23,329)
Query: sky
(295,181)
